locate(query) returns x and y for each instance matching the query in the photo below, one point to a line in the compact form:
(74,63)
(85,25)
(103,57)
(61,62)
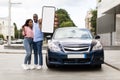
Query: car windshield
(72,33)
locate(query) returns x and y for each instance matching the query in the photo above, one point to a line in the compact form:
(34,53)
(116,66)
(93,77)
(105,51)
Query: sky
(77,9)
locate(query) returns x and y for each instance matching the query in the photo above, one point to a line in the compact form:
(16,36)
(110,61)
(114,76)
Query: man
(37,45)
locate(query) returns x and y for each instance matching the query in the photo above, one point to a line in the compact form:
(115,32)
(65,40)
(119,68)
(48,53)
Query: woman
(28,41)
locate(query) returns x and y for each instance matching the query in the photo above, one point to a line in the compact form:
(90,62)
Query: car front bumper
(91,58)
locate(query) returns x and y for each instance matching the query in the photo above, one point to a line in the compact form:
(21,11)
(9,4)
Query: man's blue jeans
(38,59)
(28,43)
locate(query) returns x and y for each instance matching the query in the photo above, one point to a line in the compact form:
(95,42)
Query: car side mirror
(97,37)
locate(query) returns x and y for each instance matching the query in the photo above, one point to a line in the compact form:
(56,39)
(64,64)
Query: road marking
(116,68)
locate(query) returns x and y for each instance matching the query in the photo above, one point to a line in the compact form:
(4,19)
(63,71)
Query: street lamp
(9,22)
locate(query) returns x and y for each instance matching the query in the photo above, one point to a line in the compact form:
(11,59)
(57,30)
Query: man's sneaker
(31,67)
(34,67)
(25,66)
(39,67)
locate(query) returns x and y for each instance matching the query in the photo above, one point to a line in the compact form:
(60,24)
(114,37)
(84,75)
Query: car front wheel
(99,66)
(48,64)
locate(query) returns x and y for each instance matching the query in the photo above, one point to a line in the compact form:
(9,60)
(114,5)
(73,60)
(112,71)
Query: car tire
(99,66)
(48,64)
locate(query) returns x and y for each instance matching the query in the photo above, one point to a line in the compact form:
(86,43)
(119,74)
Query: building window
(3,22)
(99,0)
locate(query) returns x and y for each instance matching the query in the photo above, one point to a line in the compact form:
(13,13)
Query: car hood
(74,41)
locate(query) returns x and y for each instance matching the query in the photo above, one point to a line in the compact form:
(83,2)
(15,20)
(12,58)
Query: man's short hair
(35,15)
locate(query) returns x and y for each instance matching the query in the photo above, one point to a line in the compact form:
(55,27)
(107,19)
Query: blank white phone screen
(48,15)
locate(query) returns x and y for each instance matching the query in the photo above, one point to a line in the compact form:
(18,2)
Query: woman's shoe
(25,66)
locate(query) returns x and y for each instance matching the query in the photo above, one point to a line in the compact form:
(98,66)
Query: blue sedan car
(74,46)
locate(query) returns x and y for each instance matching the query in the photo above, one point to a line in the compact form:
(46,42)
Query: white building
(108,22)
(4,28)
(88,19)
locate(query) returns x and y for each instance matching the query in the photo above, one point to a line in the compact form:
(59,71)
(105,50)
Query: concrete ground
(10,68)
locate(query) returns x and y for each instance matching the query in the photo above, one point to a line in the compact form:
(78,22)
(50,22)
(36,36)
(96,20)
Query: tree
(66,24)
(64,18)
(20,34)
(1,36)
(93,21)
(16,31)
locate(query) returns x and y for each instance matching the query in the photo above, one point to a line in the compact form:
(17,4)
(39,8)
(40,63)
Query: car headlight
(54,47)
(98,46)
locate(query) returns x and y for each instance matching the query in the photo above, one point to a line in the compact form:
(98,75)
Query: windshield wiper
(69,37)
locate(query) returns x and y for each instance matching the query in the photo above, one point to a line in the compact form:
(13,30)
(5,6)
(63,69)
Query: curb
(111,47)
(18,47)
(112,66)
(17,52)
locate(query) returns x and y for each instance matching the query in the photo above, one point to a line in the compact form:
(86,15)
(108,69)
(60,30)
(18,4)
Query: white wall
(105,39)
(104,6)
(117,41)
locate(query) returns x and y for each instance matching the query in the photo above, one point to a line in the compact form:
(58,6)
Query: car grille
(76,60)
(77,48)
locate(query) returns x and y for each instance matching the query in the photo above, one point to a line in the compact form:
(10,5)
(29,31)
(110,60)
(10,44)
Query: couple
(33,38)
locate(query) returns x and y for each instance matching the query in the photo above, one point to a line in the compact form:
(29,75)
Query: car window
(72,33)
